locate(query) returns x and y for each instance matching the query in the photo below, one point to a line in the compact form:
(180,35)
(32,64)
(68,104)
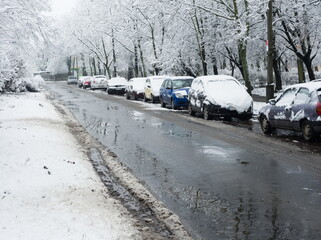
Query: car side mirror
(168,87)
(272,101)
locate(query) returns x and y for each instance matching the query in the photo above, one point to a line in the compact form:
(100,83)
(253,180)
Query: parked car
(99,82)
(151,88)
(135,88)
(220,96)
(87,82)
(72,80)
(174,92)
(117,85)
(298,108)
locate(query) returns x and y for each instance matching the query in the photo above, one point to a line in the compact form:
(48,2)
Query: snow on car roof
(216,78)
(312,86)
(158,77)
(181,77)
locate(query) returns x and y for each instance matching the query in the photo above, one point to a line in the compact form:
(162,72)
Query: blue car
(174,92)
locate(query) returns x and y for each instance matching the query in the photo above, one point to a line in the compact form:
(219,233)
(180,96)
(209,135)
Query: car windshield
(138,83)
(157,82)
(117,81)
(182,83)
(72,77)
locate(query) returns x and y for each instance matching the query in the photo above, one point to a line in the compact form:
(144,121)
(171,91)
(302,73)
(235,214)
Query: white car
(99,82)
(221,96)
(117,85)
(135,88)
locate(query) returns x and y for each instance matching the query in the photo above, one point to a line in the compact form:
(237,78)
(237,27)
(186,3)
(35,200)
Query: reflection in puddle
(137,116)
(218,151)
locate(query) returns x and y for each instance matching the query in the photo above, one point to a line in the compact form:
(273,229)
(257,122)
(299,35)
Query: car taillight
(318,108)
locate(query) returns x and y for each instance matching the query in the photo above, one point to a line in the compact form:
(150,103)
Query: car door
(201,95)
(300,107)
(280,112)
(162,91)
(168,91)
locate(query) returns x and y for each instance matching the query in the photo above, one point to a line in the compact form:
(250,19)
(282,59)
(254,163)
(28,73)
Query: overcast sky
(60,7)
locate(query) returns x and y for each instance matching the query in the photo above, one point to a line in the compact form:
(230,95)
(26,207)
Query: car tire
(145,99)
(307,131)
(162,103)
(206,114)
(152,98)
(266,125)
(127,96)
(190,110)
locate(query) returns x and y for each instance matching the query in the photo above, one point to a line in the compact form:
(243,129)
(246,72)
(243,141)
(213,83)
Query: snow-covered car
(135,88)
(174,92)
(220,96)
(152,87)
(117,85)
(99,82)
(72,80)
(298,108)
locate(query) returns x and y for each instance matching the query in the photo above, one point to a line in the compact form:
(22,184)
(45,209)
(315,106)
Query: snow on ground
(48,188)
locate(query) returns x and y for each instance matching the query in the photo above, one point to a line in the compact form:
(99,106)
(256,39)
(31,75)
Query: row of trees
(194,37)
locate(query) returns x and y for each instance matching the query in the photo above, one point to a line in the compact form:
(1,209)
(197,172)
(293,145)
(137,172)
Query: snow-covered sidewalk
(48,188)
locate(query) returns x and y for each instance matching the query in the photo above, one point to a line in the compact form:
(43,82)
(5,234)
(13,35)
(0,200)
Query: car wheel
(127,96)
(162,103)
(307,131)
(145,99)
(206,114)
(152,98)
(265,125)
(190,110)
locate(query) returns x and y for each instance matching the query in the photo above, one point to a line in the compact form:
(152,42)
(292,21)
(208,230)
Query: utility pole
(270,45)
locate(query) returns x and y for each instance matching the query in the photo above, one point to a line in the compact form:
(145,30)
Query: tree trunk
(136,73)
(84,72)
(94,67)
(144,73)
(277,75)
(114,55)
(301,71)
(245,68)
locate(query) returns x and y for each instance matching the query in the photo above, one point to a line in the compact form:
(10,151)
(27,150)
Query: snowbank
(48,189)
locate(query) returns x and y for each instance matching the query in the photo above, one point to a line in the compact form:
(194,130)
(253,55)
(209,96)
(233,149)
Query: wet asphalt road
(224,180)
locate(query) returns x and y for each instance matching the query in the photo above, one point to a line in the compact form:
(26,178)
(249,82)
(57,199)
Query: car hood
(183,91)
(233,99)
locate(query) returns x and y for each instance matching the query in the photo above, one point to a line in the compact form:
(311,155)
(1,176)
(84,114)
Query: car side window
(302,96)
(164,84)
(286,98)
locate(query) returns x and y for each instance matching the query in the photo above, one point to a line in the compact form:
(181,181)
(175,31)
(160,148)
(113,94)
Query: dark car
(220,96)
(135,88)
(174,92)
(298,108)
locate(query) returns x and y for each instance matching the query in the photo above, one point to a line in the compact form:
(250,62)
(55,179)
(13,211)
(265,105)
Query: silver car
(298,108)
